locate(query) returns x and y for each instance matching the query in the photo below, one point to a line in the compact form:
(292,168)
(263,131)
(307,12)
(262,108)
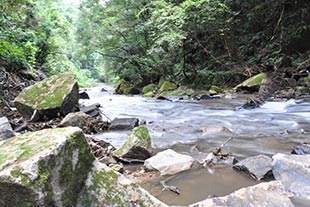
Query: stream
(275,127)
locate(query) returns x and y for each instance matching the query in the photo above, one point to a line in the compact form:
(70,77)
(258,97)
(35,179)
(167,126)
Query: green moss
(139,137)
(22,147)
(253,81)
(18,173)
(149,88)
(121,87)
(149,94)
(48,93)
(167,86)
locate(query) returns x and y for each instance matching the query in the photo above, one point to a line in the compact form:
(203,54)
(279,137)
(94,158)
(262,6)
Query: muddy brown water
(196,185)
(275,127)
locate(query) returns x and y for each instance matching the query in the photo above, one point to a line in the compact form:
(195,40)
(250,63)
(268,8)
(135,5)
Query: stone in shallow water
(169,162)
(105,187)
(271,194)
(138,145)
(53,96)
(258,167)
(294,172)
(302,149)
(44,168)
(124,123)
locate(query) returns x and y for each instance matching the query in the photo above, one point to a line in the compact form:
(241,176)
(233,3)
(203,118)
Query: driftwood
(171,188)
(26,123)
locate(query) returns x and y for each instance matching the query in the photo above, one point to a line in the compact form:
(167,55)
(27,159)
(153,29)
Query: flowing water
(275,127)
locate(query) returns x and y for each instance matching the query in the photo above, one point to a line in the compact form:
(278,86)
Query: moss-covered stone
(137,146)
(167,86)
(215,90)
(124,87)
(57,94)
(149,94)
(149,88)
(51,166)
(253,81)
(180,91)
(105,187)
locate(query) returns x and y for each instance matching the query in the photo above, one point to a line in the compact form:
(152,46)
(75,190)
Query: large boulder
(169,162)
(149,88)
(294,173)
(138,145)
(57,95)
(252,84)
(270,194)
(105,187)
(258,167)
(167,86)
(44,168)
(124,87)
(6,130)
(124,123)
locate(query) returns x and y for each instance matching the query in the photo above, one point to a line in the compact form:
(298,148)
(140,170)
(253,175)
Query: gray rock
(124,123)
(215,130)
(302,149)
(92,110)
(294,172)
(258,167)
(76,119)
(6,130)
(83,95)
(44,168)
(270,194)
(106,188)
(54,96)
(169,162)
(138,145)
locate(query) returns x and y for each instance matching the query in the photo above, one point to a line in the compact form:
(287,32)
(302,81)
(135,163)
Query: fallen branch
(172,188)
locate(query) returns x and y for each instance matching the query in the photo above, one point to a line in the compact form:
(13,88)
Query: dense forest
(194,43)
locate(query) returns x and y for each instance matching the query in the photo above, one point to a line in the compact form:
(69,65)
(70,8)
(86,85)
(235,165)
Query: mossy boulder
(124,87)
(44,168)
(253,82)
(56,95)
(149,88)
(137,146)
(215,90)
(167,86)
(105,187)
(180,91)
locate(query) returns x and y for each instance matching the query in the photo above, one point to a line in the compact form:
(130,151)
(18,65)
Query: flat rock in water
(294,172)
(6,130)
(137,147)
(92,110)
(302,149)
(54,96)
(169,162)
(105,187)
(270,194)
(258,167)
(44,168)
(124,123)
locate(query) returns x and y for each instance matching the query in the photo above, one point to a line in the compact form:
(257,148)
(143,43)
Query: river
(275,127)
